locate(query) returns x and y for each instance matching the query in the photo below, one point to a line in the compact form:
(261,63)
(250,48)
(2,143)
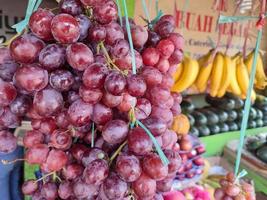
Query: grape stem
(109,60)
(117,152)
(7,162)
(54,174)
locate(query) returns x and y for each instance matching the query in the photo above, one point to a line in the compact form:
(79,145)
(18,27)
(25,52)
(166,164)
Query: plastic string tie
(32,6)
(242,174)
(93,136)
(119,12)
(145,10)
(161,154)
(129,36)
(247,104)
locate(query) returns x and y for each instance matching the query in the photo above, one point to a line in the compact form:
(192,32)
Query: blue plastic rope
(32,6)
(247,104)
(93,135)
(119,11)
(145,10)
(162,156)
(129,36)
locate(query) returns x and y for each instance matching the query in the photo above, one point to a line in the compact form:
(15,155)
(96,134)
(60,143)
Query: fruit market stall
(124,99)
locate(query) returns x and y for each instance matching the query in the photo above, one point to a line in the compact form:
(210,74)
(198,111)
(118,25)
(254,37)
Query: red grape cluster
(71,77)
(231,189)
(190,149)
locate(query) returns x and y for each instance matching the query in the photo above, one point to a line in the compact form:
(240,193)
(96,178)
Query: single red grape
(114,32)
(155,125)
(65,190)
(72,171)
(127,103)
(40,23)
(94,76)
(56,160)
(105,12)
(114,188)
(115,131)
(8,142)
(47,102)
(84,24)
(82,190)
(9,119)
(52,56)
(61,139)
(26,48)
(72,7)
(80,113)
(37,154)
(142,109)
(136,85)
(7,70)
(92,96)
(139,142)
(97,33)
(96,172)
(5,55)
(101,114)
(111,100)
(93,154)
(8,93)
(144,186)
(65,28)
(139,36)
(29,187)
(77,151)
(166,48)
(61,80)
(79,56)
(150,56)
(31,78)
(49,191)
(152,76)
(128,167)
(31,138)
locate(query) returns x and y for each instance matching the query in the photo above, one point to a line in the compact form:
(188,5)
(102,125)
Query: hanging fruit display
(219,74)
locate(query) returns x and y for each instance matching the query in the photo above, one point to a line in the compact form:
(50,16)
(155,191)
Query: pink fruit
(174,195)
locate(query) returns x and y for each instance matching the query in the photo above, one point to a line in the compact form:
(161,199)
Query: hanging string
(157,7)
(119,12)
(93,136)
(33,5)
(129,36)
(146,10)
(161,154)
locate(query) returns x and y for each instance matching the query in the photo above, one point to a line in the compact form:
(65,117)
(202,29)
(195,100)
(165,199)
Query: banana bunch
(185,75)
(218,74)
(260,77)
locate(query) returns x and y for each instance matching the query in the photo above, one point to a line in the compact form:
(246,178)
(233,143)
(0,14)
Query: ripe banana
(260,78)
(216,74)
(178,72)
(227,75)
(188,76)
(243,78)
(204,72)
(234,87)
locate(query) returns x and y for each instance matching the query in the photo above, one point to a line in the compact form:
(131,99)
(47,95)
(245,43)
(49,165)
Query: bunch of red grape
(191,150)
(231,189)
(71,76)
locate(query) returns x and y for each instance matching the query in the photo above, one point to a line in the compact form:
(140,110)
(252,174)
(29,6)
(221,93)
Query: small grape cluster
(71,76)
(232,189)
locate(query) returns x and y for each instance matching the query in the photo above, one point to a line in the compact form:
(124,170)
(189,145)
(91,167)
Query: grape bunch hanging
(70,74)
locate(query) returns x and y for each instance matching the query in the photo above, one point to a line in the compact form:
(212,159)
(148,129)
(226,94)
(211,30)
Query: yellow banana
(227,75)
(216,74)
(204,72)
(243,78)
(234,86)
(260,77)
(178,72)
(188,76)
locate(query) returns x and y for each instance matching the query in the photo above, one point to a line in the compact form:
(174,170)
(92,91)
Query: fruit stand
(133,100)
